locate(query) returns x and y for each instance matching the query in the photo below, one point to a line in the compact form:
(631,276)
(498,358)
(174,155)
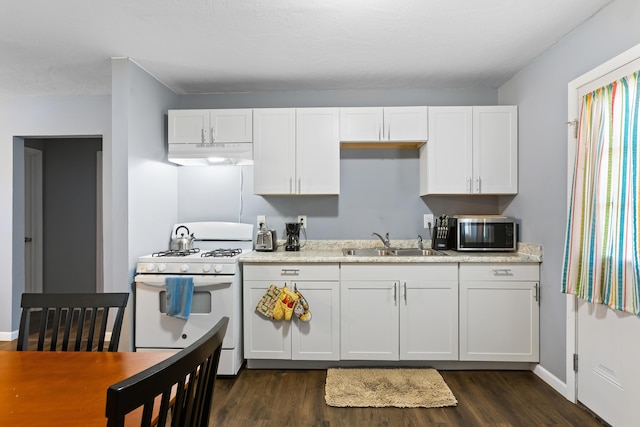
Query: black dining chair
(182,385)
(71,322)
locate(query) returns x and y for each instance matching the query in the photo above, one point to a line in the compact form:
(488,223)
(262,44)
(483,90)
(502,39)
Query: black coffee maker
(292,229)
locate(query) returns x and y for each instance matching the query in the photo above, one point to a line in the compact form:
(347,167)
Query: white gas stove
(213,266)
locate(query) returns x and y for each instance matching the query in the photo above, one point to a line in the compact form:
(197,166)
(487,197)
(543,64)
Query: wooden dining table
(64,388)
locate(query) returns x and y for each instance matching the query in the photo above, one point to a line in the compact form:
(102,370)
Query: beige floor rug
(401,388)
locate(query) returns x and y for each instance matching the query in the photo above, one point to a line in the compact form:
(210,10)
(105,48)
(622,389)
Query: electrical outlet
(428,220)
(302,219)
(262,219)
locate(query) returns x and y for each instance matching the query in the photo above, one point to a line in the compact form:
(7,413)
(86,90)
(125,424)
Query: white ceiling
(210,46)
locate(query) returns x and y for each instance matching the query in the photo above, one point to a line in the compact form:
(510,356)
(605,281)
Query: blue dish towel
(179,296)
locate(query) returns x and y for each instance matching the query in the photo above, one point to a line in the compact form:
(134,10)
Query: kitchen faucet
(385,240)
(420,244)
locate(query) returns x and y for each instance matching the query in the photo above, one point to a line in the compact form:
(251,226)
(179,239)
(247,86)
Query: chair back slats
(71,322)
(184,384)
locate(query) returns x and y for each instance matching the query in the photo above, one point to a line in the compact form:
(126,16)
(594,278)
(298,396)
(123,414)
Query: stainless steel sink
(374,252)
(368,252)
(417,252)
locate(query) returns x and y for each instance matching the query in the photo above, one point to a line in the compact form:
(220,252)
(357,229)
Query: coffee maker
(292,229)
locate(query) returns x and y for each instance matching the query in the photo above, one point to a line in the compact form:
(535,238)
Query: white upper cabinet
(210,126)
(383,124)
(297,151)
(471,150)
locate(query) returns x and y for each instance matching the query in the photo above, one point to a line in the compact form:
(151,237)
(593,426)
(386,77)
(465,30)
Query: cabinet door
(274,150)
(233,125)
(429,320)
(317,151)
(319,338)
(263,338)
(369,320)
(405,124)
(188,126)
(361,124)
(446,158)
(495,152)
(499,321)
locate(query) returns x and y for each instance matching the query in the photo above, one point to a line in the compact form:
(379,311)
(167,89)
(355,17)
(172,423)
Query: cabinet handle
(290,272)
(395,292)
(405,293)
(212,136)
(468,184)
(202,136)
(477,190)
(502,272)
(536,290)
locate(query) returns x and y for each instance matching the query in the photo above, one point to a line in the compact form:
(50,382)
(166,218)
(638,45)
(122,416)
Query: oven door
(213,298)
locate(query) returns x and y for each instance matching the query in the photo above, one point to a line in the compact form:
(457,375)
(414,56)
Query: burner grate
(175,252)
(218,253)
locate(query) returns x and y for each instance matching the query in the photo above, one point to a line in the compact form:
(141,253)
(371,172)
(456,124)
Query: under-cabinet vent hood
(236,153)
(210,137)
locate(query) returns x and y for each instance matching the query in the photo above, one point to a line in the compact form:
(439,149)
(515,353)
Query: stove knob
(217,268)
(162,267)
(149,267)
(184,268)
(206,268)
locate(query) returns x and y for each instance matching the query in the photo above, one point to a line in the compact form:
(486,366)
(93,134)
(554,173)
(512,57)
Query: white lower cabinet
(317,339)
(499,312)
(399,312)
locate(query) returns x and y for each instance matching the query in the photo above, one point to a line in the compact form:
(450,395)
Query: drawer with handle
(499,271)
(268,271)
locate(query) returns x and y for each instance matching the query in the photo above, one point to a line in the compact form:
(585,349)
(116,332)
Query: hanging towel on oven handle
(179,296)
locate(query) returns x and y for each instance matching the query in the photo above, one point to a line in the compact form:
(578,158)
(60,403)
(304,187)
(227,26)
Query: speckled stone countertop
(330,251)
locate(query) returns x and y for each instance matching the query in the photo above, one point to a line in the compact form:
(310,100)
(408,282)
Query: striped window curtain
(601,262)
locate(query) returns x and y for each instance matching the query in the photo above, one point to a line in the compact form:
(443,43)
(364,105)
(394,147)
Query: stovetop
(217,247)
(213,253)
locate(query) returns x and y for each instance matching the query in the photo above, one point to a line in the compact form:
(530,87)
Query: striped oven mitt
(268,301)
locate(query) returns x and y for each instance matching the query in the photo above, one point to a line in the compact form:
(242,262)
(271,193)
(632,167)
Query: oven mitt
(302,308)
(284,307)
(268,302)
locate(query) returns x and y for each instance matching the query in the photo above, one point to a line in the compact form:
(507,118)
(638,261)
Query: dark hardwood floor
(283,398)
(485,398)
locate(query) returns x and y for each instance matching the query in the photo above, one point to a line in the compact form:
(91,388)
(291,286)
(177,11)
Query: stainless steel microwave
(488,233)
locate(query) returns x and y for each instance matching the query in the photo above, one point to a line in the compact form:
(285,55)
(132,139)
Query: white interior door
(606,340)
(33,220)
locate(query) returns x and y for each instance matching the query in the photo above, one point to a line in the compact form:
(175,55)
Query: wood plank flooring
(485,398)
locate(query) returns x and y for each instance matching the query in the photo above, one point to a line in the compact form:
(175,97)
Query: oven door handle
(157,280)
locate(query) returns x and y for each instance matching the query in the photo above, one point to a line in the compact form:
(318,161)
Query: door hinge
(574,123)
(575,362)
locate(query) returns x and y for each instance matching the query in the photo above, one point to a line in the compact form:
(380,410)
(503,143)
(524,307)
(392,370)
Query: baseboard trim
(553,381)
(8,336)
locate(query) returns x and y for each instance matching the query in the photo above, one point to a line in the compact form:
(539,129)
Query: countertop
(330,251)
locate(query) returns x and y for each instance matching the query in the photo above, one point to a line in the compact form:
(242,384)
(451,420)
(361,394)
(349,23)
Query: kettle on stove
(266,240)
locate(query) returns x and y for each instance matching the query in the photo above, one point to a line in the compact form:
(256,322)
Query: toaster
(266,240)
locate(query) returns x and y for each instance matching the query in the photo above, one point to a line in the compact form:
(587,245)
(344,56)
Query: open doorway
(70,234)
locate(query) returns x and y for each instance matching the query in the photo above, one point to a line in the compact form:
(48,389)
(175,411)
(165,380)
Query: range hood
(235,153)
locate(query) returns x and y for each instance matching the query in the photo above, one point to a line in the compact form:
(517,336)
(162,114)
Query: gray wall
(41,117)
(69,214)
(378,188)
(540,90)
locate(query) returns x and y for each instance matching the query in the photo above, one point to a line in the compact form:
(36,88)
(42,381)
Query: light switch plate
(428,221)
(302,219)
(262,219)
